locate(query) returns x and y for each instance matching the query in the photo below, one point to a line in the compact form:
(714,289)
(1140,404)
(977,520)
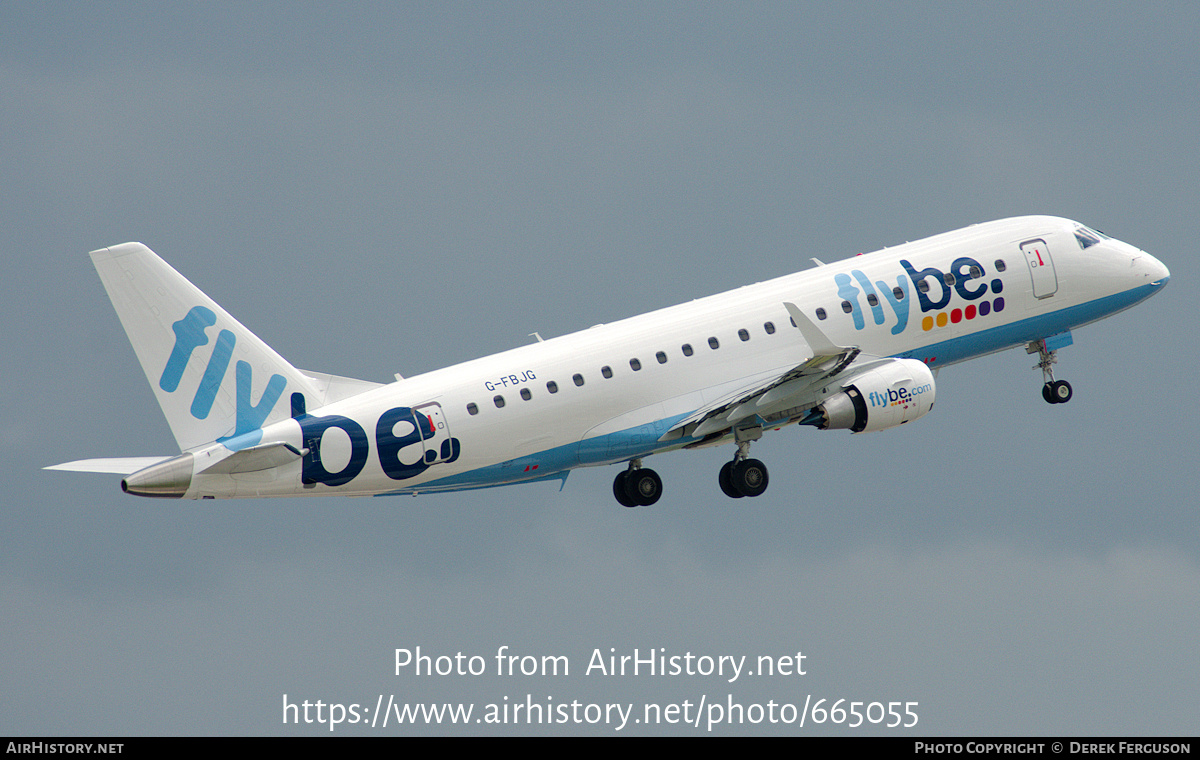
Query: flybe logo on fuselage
(407,440)
(190,334)
(962,278)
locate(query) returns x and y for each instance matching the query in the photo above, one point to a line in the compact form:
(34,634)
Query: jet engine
(882,397)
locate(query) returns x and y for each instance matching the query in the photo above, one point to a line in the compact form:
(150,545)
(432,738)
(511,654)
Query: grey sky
(382,188)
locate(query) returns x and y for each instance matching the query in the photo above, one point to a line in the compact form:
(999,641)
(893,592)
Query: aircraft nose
(1151,269)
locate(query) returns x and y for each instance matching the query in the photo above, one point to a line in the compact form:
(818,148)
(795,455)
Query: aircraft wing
(743,403)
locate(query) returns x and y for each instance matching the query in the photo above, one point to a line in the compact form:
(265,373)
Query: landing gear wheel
(643,487)
(750,477)
(724,479)
(1057,392)
(1054,391)
(1060,391)
(619,491)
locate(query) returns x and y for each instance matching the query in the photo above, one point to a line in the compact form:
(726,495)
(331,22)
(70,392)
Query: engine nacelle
(880,398)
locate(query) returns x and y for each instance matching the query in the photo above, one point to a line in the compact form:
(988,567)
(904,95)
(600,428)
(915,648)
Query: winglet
(816,340)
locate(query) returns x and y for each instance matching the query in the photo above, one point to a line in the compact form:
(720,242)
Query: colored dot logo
(954,316)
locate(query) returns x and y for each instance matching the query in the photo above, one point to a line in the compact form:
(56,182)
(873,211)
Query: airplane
(851,345)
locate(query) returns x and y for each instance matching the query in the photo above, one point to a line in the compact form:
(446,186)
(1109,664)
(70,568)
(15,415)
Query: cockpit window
(1087,237)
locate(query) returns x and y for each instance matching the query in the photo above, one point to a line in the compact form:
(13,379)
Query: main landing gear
(747,477)
(744,476)
(638,486)
(1054,391)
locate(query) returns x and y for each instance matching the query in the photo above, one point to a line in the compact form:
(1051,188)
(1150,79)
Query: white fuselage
(522,414)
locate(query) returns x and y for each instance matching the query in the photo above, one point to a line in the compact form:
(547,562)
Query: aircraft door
(1041,268)
(435,434)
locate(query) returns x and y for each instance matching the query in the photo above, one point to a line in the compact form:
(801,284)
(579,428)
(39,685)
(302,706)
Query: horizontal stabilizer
(115,465)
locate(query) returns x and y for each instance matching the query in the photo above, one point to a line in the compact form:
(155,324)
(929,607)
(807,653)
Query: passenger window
(606,371)
(635,364)
(687,349)
(872,299)
(820,315)
(552,386)
(769,327)
(662,358)
(578,379)
(525,394)
(923,285)
(1000,267)
(846,307)
(499,402)
(472,409)
(714,344)
(949,278)
(976,272)
(898,293)
(744,335)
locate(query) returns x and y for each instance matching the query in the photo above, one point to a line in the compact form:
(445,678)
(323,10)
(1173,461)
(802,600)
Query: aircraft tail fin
(214,379)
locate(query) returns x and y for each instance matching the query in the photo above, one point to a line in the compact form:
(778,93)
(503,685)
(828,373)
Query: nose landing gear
(1053,391)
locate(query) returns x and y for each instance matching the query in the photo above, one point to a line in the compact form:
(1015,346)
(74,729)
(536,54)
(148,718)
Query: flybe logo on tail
(934,290)
(191,332)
